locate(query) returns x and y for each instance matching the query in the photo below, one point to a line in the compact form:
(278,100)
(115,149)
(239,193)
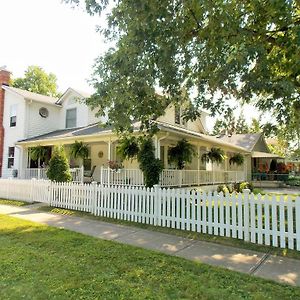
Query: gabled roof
(30,95)
(71,90)
(247,141)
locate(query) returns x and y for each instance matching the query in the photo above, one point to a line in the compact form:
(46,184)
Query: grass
(13,202)
(41,262)
(226,241)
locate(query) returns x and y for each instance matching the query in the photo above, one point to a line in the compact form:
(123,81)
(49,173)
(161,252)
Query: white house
(31,119)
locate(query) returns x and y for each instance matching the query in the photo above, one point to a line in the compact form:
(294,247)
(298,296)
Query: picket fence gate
(258,219)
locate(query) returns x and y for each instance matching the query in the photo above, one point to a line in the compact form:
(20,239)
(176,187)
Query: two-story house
(34,120)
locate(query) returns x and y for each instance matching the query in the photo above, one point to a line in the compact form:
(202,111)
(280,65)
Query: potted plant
(182,153)
(79,150)
(38,153)
(237,159)
(215,155)
(115,165)
(128,147)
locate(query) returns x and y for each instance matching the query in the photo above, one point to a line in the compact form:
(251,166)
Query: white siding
(73,101)
(36,125)
(12,134)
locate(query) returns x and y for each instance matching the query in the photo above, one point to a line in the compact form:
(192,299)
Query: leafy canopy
(36,80)
(214,50)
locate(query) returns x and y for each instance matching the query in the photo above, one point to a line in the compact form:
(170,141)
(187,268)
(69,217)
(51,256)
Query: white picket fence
(25,190)
(170,177)
(258,219)
(41,173)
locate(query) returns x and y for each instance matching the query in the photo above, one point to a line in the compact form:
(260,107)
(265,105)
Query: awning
(257,154)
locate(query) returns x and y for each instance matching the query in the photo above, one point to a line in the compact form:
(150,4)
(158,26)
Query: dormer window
(71,118)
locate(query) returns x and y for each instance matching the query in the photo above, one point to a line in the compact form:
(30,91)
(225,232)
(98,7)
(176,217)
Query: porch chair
(89,176)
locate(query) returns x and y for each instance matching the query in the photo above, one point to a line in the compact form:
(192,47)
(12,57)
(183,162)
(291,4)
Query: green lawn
(40,262)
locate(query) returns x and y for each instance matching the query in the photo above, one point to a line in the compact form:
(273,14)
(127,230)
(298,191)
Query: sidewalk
(285,270)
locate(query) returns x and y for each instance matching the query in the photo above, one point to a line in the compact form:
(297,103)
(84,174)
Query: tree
(255,126)
(241,124)
(59,169)
(215,50)
(36,80)
(230,125)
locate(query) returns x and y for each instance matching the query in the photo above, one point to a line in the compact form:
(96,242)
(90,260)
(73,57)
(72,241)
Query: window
(44,112)
(11,157)
(71,118)
(13,116)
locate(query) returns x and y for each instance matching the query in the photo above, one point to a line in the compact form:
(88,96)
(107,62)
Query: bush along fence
(254,218)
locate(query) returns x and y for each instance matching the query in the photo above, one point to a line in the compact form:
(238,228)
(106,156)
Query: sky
(58,38)
(52,35)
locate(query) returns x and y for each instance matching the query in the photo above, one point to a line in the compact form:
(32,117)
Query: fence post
(297,203)
(81,173)
(39,174)
(94,198)
(33,180)
(49,192)
(246,193)
(157,204)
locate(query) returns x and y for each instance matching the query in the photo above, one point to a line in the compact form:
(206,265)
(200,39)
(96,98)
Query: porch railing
(170,177)
(41,173)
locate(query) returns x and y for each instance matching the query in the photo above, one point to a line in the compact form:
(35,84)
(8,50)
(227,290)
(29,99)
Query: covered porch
(268,167)
(102,148)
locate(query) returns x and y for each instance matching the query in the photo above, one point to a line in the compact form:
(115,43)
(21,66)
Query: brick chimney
(4,80)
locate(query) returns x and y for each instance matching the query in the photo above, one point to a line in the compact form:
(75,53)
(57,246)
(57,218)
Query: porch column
(166,162)
(198,164)
(157,147)
(109,150)
(21,174)
(198,156)
(246,168)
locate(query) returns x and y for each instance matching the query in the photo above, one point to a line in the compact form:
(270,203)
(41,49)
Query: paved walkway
(284,190)
(254,263)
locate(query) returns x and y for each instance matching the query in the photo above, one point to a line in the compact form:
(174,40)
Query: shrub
(59,169)
(245,185)
(222,188)
(150,166)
